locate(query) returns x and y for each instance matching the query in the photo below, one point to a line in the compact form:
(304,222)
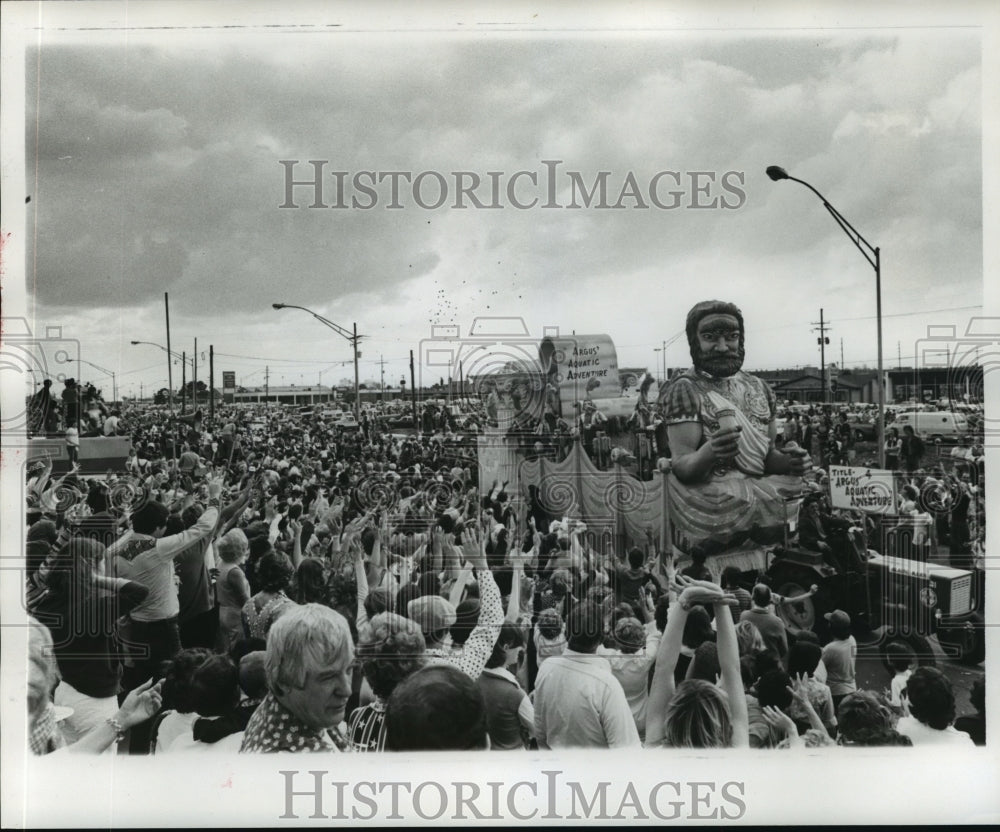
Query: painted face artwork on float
(719,349)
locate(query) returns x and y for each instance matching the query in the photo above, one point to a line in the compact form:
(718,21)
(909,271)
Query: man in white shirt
(112,424)
(578,701)
(144,555)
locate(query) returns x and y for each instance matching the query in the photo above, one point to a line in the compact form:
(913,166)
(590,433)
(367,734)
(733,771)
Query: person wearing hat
(840,656)
(729,481)
(436,615)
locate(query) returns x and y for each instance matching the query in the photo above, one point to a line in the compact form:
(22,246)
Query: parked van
(942,424)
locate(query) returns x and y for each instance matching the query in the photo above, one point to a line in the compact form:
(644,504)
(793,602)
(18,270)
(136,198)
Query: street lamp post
(114,381)
(353,337)
(873,256)
(663,355)
(171,354)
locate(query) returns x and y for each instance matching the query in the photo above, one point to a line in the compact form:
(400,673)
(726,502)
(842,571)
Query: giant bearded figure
(729,484)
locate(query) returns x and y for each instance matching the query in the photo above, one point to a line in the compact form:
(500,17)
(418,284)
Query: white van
(941,424)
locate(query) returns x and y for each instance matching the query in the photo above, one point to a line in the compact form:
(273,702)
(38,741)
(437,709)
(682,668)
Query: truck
(895,594)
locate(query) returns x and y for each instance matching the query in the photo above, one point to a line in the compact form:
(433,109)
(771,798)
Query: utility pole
(184,366)
(170,371)
(211,381)
(841,354)
(822,341)
(381,366)
(267,386)
(413,392)
(357,388)
(194,382)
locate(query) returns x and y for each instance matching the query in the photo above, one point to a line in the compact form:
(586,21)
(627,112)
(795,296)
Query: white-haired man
(308,667)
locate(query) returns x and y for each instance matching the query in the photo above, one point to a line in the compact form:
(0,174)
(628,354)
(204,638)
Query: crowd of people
(267,580)
(269,583)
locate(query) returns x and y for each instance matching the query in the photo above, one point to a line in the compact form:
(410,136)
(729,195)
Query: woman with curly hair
(391,647)
(864,719)
(929,710)
(274,574)
(198,685)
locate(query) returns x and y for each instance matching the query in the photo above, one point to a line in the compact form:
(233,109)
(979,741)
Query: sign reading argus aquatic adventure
(583,366)
(862,489)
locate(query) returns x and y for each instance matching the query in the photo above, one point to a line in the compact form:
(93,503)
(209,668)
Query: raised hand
(780,721)
(709,594)
(141,704)
(472,547)
(214,487)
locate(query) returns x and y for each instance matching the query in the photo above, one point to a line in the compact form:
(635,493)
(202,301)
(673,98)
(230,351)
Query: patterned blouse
(258,623)
(274,728)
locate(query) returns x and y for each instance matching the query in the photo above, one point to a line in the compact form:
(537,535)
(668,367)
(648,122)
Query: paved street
(872,674)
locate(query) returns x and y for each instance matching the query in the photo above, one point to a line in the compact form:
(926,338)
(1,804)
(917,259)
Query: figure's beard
(719,366)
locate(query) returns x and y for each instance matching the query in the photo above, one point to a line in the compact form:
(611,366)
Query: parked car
(942,424)
(863,430)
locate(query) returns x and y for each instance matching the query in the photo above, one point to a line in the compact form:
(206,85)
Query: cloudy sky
(153,165)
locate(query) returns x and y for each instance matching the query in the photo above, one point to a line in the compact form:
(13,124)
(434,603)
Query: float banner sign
(584,367)
(862,489)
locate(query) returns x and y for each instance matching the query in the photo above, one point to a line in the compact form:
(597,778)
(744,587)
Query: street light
(663,351)
(187,361)
(171,354)
(114,382)
(872,255)
(353,337)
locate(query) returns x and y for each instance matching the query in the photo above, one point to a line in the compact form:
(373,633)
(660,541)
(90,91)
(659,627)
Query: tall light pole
(171,354)
(114,381)
(872,255)
(353,337)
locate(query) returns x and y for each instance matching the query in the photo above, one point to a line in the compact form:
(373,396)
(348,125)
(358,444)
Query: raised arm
(479,646)
(295,526)
(141,704)
(361,579)
(732,679)
(661,690)
(514,601)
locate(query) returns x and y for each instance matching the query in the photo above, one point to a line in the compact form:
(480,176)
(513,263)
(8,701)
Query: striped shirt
(366,728)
